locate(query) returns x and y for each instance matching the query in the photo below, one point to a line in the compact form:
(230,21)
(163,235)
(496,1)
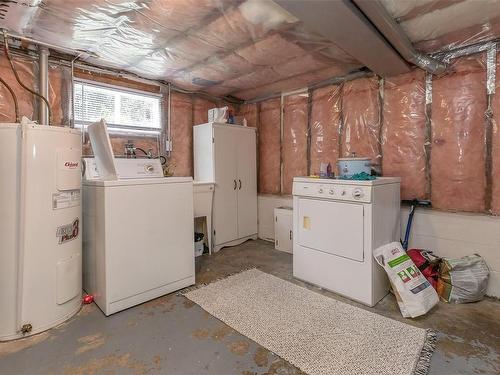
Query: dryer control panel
(334,191)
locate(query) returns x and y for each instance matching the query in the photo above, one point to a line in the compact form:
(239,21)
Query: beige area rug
(317,334)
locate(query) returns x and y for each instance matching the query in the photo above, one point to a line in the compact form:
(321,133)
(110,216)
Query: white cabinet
(226,155)
(283,233)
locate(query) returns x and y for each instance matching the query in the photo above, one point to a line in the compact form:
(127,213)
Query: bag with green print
(414,293)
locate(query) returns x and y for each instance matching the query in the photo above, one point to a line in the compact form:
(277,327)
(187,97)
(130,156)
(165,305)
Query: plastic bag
(427,263)
(414,293)
(463,280)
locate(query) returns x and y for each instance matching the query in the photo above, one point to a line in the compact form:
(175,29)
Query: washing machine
(337,225)
(138,228)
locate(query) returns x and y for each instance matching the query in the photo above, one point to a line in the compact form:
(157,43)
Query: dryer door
(331,227)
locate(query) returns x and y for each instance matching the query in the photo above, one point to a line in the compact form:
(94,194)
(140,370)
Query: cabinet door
(225,196)
(283,235)
(247,183)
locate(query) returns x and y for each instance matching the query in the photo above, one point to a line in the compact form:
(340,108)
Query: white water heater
(40,227)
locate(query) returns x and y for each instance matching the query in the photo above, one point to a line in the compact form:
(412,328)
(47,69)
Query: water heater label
(68,232)
(65,199)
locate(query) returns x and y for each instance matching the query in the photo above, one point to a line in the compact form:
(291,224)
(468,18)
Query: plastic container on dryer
(40,227)
(348,167)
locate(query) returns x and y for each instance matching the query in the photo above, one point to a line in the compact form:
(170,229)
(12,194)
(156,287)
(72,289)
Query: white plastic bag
(218,114)
(413,292)
(463,280)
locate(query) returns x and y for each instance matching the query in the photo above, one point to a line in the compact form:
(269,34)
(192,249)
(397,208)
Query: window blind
(121,109)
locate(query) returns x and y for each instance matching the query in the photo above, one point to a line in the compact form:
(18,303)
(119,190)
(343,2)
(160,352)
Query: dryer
(337,225)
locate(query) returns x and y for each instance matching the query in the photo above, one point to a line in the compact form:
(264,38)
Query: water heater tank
(40,227)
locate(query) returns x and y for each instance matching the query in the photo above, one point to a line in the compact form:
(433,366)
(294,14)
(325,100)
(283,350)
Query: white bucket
(198,248)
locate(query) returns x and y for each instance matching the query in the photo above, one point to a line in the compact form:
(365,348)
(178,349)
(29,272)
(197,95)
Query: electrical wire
(16,104)
(142,150)
(7,53)
(163,159)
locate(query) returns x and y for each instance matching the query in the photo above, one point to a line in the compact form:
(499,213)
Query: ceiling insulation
(246,49)
(434,25)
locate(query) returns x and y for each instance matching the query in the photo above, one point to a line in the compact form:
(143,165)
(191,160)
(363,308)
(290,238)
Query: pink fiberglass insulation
(230,30)
(25,69)
(174,16)
(269,147)
(325,124)
(181,120)
(302,64)
(361,119)
(271,51)
(480,33)
(306,65)
(495,146)
(200,110)
(59,94)
(193,49)
(257,78)
(294,139)
(220,68)
(249,112)
(458,137)
(404,133)
(296,82)
(196,44)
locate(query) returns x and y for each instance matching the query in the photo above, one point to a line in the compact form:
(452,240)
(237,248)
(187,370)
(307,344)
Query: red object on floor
(88,299)
(427,263)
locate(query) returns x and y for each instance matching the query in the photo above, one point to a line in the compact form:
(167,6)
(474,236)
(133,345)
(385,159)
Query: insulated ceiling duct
(391,30)
(342,22)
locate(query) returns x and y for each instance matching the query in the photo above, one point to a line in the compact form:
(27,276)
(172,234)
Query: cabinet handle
(240,184)
(290,235)
(234,184)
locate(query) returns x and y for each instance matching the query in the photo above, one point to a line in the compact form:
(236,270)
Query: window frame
(120,128)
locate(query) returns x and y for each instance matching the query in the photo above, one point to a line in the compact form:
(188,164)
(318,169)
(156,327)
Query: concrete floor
(171,335)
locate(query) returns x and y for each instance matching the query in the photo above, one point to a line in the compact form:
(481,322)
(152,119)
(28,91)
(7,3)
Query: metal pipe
(282,133)
(169,119)
(43,83)
(11,63)
(37,42)
(72,121)
(84,54)
(395,35)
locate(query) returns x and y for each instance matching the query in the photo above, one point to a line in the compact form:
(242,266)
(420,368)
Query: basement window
(125,110)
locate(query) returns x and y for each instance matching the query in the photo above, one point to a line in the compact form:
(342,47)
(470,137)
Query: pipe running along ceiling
(246,49)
